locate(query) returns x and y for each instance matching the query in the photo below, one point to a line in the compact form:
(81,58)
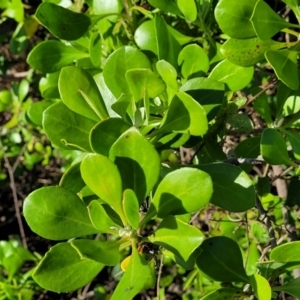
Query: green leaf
(284,63)
(261,287)
(239,122)
(266,22)
(235,77)
(104,134)
(233,189)
(184,115)
(166,6)
(233,17)
(66,129)
(95,49)
(292,288)
(100,219)
(36,109)
(294,139)
(224,293)
(188,9)
(80,93)
(138,275)
(48,85)
(56,213)
(71,179)
(221,259)
(273,148)
(137,161)
(62,22)
(51,56)
(131,208)
(208,92)
(286,253)
(144,81)
(168,74)
(291,104)
(182,191)
(176,236)
(64,269)
(193,59)
(262,106)
(248,52)
(118,63)
(101,175)
(106,253)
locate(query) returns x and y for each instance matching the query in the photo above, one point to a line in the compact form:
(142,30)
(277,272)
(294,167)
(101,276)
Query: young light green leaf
(64,127)
(80,93)
(100,219)
(233,17)
(118,63)
(137,161)
(182,191)
(284,63)
(104,134)
(131,208)
(64,269)
(266,22)
(178,237)
(61,22)
(261,287)
(188,9)
(273,148)
(101,175)
(51,56)
(95,49)
(286,252)
(184,115)
(56,213)
(193,59)
(221,259)
(235,77)
(292,288)
(144,81)
(139,275)
(291,104)
(168,74)
(248,52)
(233,189)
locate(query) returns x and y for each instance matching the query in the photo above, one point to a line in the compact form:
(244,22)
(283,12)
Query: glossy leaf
(65,128)
(221,259)
(131,208)
(273,148)
(248,52)
(233,189)
(137,161)
(104,134)
(261,287)
(266,22)
(284,63)
(184,115)
(193,59)
(294,139)
(51,56)
(48,85)
(188,9)
(95,49)
(56,213)
(176,236)
(144,82)
(182,191)
(224,293)
(166,6)
(71,179)
(291,104)
(62,22)
(137,276)
(286,253)
(100,219)
(168,74)
(233,17)
(235,77)
(80,93)
(208,92)
(64,269)
(101,175)
(118,63)
(36,109)
(292,288)
(145,36)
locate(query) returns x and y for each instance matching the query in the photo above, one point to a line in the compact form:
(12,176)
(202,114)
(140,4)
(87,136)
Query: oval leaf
(56,213)
(261,287)
(286,252)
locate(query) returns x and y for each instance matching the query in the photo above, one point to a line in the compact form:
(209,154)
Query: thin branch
(161,264)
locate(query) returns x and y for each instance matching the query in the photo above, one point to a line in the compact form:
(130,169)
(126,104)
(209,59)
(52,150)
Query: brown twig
(161,264)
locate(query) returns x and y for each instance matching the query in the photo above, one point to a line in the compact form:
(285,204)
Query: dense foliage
(184,116)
